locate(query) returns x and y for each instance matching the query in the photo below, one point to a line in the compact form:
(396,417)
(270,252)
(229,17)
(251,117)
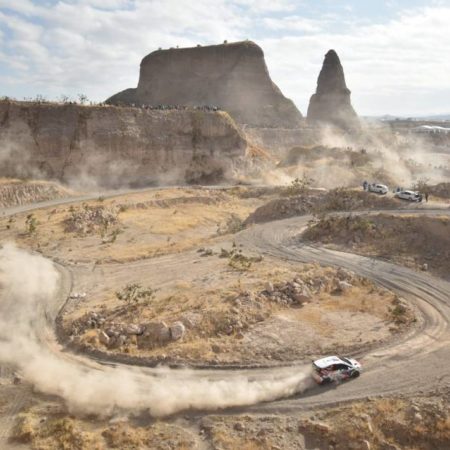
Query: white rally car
(335,368)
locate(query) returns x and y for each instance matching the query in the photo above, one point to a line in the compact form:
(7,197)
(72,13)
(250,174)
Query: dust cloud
(28,286)
(374,153)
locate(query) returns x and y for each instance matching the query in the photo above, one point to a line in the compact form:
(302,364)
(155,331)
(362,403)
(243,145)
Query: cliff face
(233,77)
(112,147)
(331,102)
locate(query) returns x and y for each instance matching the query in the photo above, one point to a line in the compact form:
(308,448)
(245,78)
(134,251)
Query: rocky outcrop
(232,76)
(331,102)
(116,146)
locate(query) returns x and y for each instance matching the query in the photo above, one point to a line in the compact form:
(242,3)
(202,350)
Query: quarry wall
(116,146)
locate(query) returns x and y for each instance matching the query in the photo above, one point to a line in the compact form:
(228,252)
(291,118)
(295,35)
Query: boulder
(154,334)
(133,328)
(269,287)
(344,286)
(302,296)
(191,319)
(177,330)
(103,338)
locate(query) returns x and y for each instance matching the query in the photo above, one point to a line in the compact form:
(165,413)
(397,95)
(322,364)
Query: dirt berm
(420,242)
(317,202)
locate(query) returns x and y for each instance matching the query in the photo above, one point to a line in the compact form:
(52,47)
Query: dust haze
(375,153)
(27,343)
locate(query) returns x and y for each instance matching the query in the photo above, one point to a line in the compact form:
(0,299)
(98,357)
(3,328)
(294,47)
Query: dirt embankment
(419,242)
(381,424)
(117,146)
(319,202)
(375,424)
(441,190)
(16,192)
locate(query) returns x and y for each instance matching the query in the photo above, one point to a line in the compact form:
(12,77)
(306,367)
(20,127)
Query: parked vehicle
(409,195)
(335,368)
(378,188)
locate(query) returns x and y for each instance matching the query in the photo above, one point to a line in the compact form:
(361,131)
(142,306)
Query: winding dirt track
(420,360)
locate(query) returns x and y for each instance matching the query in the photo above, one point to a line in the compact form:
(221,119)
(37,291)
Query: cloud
(398,65)
(293,23)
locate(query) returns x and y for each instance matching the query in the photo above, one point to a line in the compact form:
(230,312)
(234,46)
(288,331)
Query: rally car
(335,368)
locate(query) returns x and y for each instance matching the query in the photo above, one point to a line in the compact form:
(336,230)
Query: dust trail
(27,282)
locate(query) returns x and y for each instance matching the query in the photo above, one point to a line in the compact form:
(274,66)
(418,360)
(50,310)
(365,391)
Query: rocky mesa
(109,146)
(232,76)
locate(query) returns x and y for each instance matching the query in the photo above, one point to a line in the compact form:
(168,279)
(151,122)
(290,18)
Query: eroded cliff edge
(112,147)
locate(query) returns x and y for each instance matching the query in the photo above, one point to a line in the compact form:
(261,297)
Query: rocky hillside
(16,192)
(232,76)
(116,146)
(331,102)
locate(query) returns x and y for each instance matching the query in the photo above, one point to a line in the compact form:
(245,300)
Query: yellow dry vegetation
(149,224)
(43,431)
(386,421)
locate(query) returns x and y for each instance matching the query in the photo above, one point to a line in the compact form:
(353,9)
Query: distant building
(430,129)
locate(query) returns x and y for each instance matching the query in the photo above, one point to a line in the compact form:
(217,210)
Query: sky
(395,53)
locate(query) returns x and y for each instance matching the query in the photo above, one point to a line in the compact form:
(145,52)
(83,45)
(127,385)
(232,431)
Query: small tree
(134,293)
(40,99)
(299,186)
(82,98)
(422,186)
(31,224)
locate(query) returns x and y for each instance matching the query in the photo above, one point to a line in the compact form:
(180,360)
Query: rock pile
(114,334)
(89,219)
(331,102)
(290,293)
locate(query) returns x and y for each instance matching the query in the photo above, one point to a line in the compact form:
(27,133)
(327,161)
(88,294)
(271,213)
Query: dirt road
(418,361)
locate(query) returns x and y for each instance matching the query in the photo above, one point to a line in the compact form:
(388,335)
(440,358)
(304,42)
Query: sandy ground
(352,319)
(213,296)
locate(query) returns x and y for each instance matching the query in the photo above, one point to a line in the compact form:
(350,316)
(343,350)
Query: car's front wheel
(355,374)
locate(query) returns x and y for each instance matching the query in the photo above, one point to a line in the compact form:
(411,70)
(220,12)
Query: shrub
(134,293)
(299,186)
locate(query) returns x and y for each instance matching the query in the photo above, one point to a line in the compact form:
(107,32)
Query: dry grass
(53,430)
(410,240)
(220,321)
(386,420)
(152,224)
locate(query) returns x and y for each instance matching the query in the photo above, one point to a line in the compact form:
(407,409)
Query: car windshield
(346,360)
